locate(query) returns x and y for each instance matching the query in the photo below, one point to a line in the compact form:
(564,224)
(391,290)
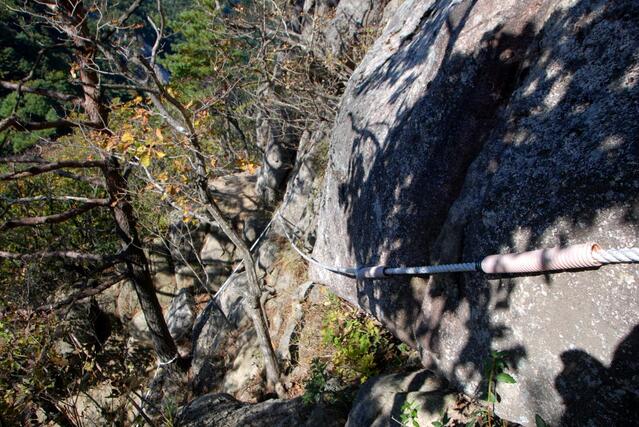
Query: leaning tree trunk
(252,298)
(137,263)
(74,24)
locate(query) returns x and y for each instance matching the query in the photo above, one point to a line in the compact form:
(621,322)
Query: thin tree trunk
(252,298)
(137,263)
(116,185)
(253,302)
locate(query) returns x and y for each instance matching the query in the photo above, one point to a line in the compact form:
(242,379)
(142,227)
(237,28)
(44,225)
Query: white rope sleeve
(586,255)
(168,362)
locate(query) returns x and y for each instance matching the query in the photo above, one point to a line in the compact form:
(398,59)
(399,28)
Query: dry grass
(289,261)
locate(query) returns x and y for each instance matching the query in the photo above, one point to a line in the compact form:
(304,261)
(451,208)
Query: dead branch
(82,294)
(55,218)
(48,167)
(60,96)
(69,255)
(88,179)
(34,199)
(14,122)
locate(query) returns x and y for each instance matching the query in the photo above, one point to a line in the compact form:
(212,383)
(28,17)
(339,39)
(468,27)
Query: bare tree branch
(88,179)
(48,167)
(122,19)
(83,294)
(26,200)
(53,219)
(159,32)
(69,255)
(14,122)
(129,87)
(22,159)
(60,96)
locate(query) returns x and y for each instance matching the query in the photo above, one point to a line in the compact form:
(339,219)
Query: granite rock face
(471,129)
(181,315)
(225,350)
(380,400)
(223,410)
(279,144)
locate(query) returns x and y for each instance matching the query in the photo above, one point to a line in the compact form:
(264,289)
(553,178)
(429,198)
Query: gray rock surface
(226,354)
(293,322)
(380,400)
(181,315)
(349,19)
(222,410)
(279,143)
(93,406)
(301,204)
(202,255)
(471,129)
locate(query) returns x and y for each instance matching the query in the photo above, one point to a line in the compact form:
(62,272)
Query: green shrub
(408,417)
(494,373)
(315,386)
(29,366)
(361,346)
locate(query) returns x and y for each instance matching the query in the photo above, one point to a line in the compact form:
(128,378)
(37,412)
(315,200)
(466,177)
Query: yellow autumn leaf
(137,100)
(158,133)
(160,154)
(247,166)
(127,137)
(145,159)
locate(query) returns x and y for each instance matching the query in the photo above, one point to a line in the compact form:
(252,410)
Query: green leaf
(505,378)
(491,398)
(539,422)
(488,366)
(437,424)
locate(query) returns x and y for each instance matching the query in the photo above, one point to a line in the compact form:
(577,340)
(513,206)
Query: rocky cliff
(473,128)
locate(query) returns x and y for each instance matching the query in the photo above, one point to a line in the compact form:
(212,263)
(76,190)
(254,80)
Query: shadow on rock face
(466,132)
(605,392)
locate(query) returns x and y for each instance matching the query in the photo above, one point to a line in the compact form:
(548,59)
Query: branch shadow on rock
(493,116)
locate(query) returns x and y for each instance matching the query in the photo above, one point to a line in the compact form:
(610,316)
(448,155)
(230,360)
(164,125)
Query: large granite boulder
(349,20)
(472,128)
(221,410)
(226,353)
(279,143)
(382,400)
(300,204)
